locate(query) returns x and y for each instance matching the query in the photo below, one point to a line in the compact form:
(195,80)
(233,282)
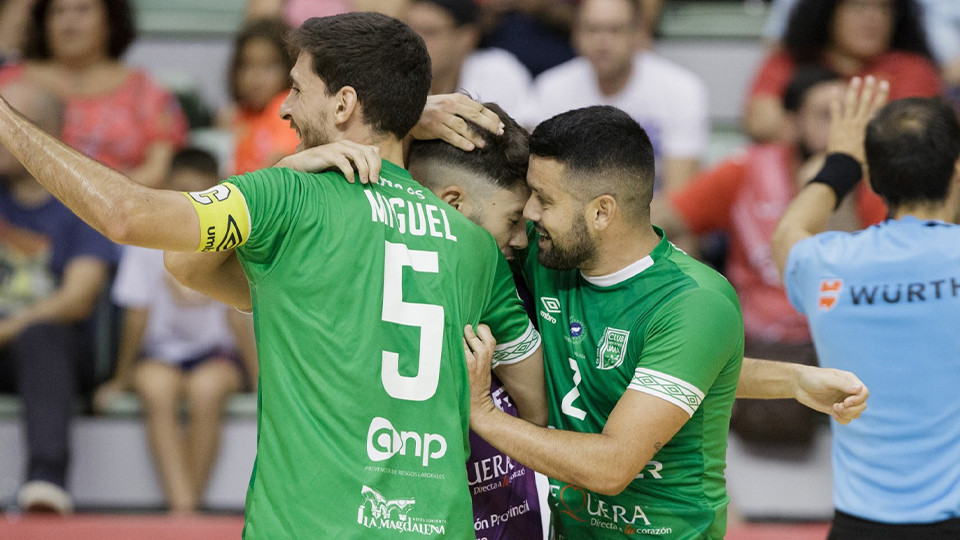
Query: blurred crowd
(62,285)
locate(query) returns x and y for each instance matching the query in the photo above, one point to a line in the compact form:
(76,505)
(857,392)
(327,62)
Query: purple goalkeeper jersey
(505,501)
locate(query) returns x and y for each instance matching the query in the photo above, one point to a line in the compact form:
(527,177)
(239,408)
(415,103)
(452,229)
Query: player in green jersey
(359,294)
(643,345)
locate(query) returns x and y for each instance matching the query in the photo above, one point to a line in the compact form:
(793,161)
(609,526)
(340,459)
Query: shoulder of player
(689,280)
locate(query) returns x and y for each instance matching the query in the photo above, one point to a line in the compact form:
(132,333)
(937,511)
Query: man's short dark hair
(805,78)
(384,60)
(605,151)
(502,160)
(912,148)
(463,11)
(194,159)
(120,25)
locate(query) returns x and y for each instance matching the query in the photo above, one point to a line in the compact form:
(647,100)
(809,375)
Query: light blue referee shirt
(884,303)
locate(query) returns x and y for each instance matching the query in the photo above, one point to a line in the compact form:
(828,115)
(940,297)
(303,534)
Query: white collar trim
(620,275)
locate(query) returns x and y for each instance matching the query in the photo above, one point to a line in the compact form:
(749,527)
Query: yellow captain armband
(224,217)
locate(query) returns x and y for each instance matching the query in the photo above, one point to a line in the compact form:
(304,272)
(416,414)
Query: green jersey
(667,326)
(360,295)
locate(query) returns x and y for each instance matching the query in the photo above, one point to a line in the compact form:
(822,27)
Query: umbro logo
(552,305)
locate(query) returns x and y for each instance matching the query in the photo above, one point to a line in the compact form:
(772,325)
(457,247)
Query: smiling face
(564,241)
(308,106)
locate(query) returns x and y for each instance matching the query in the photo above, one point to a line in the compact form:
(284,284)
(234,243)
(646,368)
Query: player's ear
(347,105)
(601,212)
(452,195)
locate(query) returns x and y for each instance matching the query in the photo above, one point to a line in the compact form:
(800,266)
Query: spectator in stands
(743,197)
(883,302)
(667,100)
(52,269)
(14,21)
(295,12)
(177,343)
(115,114)
(450,30)
(259,82)
(853,37)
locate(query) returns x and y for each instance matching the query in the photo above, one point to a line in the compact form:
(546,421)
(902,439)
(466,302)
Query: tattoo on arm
(657,446)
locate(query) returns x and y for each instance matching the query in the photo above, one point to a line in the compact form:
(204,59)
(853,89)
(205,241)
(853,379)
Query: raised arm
(120,209)
(809,212)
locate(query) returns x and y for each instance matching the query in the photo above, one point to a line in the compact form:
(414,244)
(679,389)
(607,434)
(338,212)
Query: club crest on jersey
(612,348)
(829,293)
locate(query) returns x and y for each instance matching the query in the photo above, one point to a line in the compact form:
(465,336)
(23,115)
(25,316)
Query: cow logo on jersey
(612,348)
(379,512)
(829,293)
(384,442)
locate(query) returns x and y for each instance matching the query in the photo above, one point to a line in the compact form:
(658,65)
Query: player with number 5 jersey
(360,295)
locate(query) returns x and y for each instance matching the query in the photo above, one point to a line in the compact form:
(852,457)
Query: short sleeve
(504,314)
(686,345)
(274,198)
(704,203)
(139,277)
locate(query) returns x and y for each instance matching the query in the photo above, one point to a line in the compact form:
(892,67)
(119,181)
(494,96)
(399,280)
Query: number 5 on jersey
(428,318)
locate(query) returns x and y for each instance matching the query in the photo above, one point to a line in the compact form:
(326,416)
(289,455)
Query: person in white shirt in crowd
(177,343)
(613,68)
(451,31)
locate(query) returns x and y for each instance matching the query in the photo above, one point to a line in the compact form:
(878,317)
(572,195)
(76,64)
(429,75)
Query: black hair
(275,31)
(502,160)
(120,26)
(604,151)
(912,147)
(811,21)
(463,11)
(805,78)
(384,60)
(195,159)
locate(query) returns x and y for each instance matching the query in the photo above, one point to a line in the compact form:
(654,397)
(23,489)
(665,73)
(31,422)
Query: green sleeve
(686,345)
(504,314)
(274,199)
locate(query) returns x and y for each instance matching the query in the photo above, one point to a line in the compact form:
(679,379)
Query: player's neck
(928,212)
(391,148)
(619,249)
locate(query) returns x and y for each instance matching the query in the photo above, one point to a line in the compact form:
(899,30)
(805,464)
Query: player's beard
(569,251)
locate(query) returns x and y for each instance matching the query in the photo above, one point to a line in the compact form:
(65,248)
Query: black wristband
(841,173)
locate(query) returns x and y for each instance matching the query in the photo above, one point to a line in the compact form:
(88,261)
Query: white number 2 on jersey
(427,317)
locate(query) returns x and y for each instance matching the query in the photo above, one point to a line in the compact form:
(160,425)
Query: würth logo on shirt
(830,290)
